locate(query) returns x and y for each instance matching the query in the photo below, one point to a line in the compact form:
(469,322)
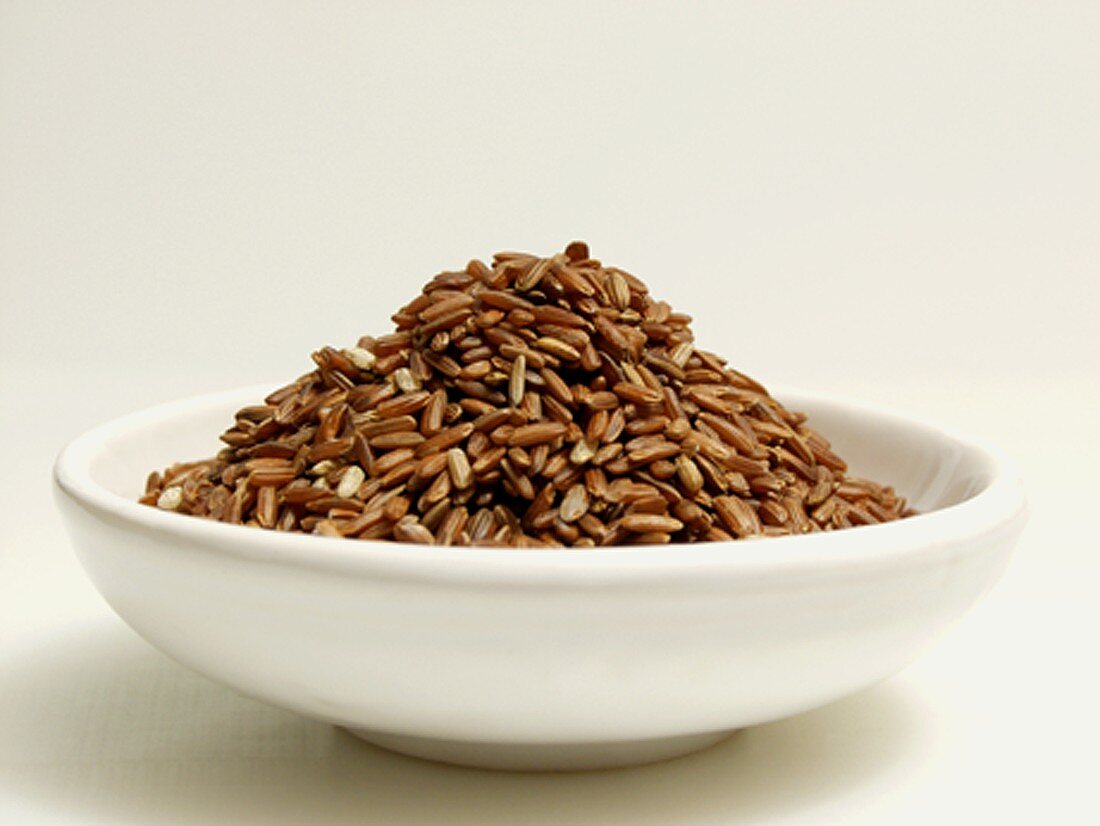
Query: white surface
(923,176)
(522,658)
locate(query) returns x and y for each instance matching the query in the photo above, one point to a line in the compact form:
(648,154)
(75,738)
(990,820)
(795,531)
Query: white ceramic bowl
(543,658)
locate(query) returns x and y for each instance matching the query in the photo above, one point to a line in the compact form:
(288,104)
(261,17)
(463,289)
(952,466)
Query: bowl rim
(999,505)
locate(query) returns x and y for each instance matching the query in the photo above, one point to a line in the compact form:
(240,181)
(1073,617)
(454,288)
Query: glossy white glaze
(551,658)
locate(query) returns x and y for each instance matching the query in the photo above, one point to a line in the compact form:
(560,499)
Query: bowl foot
(542,756)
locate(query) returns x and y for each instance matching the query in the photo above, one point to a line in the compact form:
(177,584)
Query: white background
(893,201)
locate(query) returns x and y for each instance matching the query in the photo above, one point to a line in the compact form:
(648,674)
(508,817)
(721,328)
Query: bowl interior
(931,469)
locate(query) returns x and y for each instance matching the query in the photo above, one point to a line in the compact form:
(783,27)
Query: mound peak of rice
(536,401)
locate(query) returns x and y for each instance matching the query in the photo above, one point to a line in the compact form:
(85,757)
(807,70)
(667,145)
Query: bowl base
(542,756)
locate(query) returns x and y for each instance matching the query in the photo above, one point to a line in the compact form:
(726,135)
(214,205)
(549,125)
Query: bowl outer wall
(536,646)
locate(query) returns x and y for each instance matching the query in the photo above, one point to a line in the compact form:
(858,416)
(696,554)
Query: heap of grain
(539,401)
